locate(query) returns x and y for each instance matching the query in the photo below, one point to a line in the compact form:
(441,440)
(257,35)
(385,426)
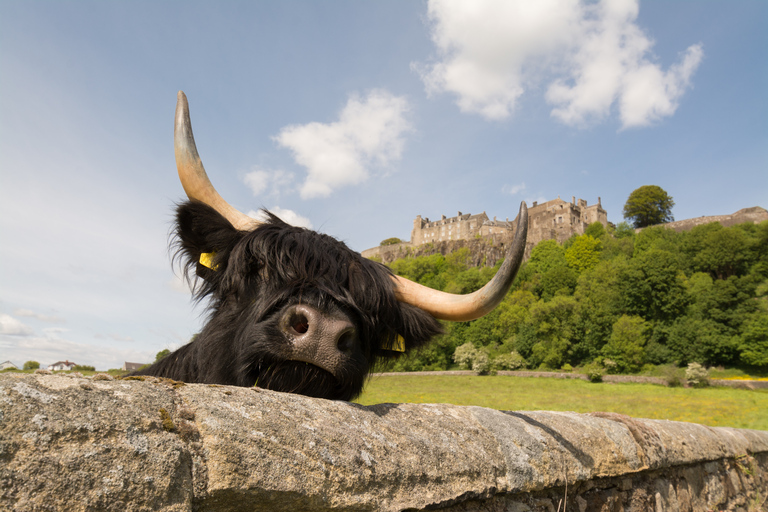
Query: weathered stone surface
(82,444)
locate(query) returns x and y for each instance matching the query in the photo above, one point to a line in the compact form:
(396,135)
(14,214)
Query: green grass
(721,407)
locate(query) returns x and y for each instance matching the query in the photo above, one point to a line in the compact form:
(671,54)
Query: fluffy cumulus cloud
(12,327)
(270,182)
(592,57)
(287,216)
(368,133)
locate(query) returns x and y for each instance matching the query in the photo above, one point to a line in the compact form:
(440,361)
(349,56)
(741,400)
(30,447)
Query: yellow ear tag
(398,345)
(206,260)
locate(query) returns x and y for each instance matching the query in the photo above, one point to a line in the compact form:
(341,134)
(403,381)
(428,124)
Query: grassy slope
(724,407)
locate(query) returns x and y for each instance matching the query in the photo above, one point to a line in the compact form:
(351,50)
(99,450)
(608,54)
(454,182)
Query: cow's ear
(417,329)
(204,240)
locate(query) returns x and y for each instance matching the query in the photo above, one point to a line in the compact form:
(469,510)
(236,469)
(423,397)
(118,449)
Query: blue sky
(349,117)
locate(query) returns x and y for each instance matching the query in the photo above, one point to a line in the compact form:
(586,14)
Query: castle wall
(556,219)
(754,215)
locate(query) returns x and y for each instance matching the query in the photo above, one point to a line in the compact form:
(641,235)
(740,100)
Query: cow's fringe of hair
(254,274)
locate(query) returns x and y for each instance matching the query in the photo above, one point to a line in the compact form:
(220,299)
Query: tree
(390,241)
(584,253)
(649,205)
(547,255)
(754,348)
(625,346)
(31,365)
(163,353)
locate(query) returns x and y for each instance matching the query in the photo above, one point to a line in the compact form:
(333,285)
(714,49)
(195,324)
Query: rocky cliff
(77,444)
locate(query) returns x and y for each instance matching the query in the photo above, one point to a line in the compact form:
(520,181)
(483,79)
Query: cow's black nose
(319,337)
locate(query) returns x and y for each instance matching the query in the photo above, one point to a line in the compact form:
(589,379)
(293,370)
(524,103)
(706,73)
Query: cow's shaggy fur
(257,275)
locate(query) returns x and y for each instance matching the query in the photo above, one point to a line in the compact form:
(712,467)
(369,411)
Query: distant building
(6,365)
(61,365)
(552,220)
(130,367)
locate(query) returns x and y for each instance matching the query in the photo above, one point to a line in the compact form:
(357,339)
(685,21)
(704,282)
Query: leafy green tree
(163,353)
(649,205)
(624,230)
(546,255)
(31,365)
(512,313)
(556,281)
(754,341)
(390,241)
(653,286)
(600,303)
(625,346)
(723,254)
(657,237)
(584,253)
(525,339)
(554,323)
(595,230)
(701,340)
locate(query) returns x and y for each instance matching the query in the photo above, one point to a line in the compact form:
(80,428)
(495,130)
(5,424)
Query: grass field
(720,407)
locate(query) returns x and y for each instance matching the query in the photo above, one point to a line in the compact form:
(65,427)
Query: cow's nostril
(300,324)
(346,341)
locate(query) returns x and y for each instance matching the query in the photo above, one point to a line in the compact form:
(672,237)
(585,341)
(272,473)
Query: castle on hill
(552,220)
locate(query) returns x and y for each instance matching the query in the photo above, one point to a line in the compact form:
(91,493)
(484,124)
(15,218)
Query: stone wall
(753,215)
(77,444)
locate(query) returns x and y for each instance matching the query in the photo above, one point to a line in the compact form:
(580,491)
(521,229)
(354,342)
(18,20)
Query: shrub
(511,361)
(594,372)
(611,366)
(390,241)
(31,365)
(696,375)
(83,368)
(567,368)
(481,363)
(671,374)
(464,355)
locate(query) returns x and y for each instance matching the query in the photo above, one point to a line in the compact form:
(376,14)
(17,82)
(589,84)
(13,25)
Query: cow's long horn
(462,308)
(192,173)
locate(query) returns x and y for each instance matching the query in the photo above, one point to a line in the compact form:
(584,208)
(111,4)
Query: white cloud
(11,326)
(269,181)
(38,316)
(369,133)
(513,189)
(287,216)
(593,56)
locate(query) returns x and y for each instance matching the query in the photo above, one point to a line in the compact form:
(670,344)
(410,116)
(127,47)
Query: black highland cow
(294,310)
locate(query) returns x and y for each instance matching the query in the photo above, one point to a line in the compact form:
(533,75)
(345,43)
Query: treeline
(612,298)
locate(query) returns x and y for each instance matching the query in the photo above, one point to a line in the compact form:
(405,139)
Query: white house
(6,365)
(61,365)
